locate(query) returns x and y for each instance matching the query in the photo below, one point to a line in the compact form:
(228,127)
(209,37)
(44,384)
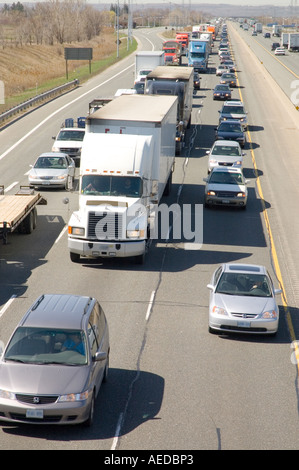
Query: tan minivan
(55,362)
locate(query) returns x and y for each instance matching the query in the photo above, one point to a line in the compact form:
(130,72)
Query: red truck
(172,52)
(183,39)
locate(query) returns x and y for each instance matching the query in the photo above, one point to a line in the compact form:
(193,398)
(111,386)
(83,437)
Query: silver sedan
(242,300)
(52,169)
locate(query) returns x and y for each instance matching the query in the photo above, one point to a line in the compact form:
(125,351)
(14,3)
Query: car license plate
(225,201)
(38,414)
(243,324)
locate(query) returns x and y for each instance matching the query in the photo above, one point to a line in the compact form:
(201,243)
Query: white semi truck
(127,160)
(145,62)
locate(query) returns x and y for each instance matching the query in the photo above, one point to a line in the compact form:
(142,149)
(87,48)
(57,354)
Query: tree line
(54,21)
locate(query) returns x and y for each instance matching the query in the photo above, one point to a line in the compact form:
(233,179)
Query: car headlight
(34,177)
(5,394)
(269,315)
(71,397)
(241,194)
(211,193)
(219,310)
(61,177)
(79,231)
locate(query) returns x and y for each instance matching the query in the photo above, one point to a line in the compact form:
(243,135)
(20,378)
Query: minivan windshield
(32,345)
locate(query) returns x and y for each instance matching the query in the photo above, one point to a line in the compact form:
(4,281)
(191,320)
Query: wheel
(105,376)
(27,226)
(140,259)
(90,419)
(75,258)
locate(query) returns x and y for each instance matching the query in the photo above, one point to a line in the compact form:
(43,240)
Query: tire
(75,258)
(106,371)
(140,259)
(27,225)
(90,419)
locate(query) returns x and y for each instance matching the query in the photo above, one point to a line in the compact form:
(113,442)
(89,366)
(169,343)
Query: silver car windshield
(255,285)
(221,177)
(47,346)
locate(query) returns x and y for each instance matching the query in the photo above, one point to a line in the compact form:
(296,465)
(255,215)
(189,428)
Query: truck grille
(70,151)
(109,226)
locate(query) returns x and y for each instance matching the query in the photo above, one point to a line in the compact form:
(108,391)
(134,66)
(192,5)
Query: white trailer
(258,27)
(127,161)
(177,81)
(284,42)
(276,30)
(293,42)
(145,62)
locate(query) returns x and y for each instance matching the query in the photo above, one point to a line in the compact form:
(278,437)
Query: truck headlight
(135,233)
(78,231)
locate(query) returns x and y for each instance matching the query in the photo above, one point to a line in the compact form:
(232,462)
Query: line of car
(58,356)
(242,296)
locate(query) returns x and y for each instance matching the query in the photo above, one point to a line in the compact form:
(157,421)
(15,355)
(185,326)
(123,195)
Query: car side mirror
(211,287)
(247,181)
(205,179)
(100,356)
(277,291)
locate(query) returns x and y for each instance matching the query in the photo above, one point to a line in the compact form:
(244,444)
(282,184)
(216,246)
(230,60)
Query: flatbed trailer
(18,211)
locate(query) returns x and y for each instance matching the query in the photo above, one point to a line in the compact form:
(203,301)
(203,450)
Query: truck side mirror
(155,188)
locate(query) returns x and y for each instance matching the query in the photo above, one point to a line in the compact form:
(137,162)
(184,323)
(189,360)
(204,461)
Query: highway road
(172,385)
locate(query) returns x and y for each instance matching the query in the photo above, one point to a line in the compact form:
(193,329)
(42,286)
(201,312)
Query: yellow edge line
(273,249)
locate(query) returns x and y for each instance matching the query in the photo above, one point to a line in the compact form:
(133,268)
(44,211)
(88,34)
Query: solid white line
(57,111)
(12,185)
(117,432)
(61,234)
(149,308)
(8,303)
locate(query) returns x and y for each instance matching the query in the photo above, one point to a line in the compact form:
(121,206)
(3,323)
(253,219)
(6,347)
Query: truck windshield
(104,185)
(198,55)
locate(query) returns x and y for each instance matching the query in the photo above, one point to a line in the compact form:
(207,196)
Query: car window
(96,327)
(47,346)
(255,285)
(219,177)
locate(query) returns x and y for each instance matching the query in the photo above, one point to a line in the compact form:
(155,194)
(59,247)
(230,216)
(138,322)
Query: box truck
(176,81)
(145,62)
(127,161)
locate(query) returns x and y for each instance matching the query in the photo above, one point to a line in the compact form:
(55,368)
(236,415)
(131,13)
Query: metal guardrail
(36,99)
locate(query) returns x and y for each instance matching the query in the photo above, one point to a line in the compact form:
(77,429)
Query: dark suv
(274,45)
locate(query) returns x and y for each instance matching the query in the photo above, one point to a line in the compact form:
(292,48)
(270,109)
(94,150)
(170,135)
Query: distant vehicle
(267,35)
(222,68)
(230,64)
(55,362)
(274,46)
(280,51)
(69,139)
(254,33)
(225,153)
(233,109)
(226,187)
(52,169)
(222,92)
(196,81)
(231,130)
(229,79)
(242,300)
(224,58)
(139,87)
